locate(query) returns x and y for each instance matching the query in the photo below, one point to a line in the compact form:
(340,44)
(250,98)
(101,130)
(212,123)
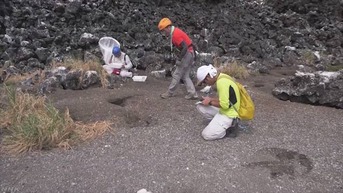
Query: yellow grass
(13,80)
(69,64)
(30,123)
(233,69)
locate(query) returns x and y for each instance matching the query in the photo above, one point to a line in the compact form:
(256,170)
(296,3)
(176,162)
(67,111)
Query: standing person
(220,110)
(119,63)
(180,40)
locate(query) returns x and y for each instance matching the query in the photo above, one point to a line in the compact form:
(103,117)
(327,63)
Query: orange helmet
(165,22)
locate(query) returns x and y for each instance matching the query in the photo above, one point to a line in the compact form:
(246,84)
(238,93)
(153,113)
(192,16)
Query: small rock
(143,191)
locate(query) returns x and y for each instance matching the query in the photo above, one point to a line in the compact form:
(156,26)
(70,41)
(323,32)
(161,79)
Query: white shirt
(118,62)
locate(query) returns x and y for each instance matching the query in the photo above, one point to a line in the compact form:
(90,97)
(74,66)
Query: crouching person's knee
(212,133)
(208,136)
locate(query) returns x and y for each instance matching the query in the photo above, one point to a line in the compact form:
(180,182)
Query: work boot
(191,96)
(166,95)
(232,132)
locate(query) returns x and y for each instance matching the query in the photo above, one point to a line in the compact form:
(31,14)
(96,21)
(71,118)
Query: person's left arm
(181,45)
(184,49)
(223,93)
(127,62)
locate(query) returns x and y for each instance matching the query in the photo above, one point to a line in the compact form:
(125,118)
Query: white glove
(206,89)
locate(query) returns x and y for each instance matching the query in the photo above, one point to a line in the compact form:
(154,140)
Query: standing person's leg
(216,129)
(179,71)
(187,62)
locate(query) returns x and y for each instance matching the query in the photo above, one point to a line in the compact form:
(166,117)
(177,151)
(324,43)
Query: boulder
(318,88)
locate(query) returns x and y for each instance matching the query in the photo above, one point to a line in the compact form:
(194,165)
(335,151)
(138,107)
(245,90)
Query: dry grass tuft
(94,65)
(29,123)
(15,79)
(308,57)
(92,130)
(233,69)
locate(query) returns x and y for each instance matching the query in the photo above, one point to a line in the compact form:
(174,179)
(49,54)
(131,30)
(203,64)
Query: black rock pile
(34,33)
(261,34)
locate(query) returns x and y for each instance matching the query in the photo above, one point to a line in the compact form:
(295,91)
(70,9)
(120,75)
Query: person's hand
(169,58)
(206,100)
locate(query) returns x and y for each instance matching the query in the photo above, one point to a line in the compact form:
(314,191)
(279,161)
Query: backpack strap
(233,107)
(110,61)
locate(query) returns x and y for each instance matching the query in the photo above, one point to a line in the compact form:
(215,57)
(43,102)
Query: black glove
(169,58)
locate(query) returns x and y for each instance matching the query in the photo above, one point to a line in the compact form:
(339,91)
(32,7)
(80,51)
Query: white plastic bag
(106,45)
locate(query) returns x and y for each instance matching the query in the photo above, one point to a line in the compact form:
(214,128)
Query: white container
(106,45)
(139,78)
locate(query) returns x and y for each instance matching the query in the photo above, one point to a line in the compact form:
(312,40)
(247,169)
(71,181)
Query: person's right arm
(127,62)
(211,101)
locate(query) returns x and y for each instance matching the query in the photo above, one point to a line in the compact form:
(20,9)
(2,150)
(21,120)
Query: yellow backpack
(247,108)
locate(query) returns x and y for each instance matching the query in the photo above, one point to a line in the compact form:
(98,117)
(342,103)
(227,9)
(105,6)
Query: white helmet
(203,71)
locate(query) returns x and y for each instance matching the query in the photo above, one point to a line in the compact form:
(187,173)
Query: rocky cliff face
(33,33)
(261,34)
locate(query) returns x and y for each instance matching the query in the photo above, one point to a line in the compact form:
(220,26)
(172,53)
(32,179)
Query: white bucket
(106,45)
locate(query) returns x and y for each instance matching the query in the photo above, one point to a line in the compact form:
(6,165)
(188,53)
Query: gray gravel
(291,147)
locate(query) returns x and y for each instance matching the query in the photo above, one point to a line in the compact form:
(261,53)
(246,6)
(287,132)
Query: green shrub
(335,68)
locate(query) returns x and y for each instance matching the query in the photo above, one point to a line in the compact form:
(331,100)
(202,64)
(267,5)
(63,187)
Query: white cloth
(216,129)
(120,62)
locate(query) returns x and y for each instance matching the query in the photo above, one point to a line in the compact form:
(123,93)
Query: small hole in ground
(119,101)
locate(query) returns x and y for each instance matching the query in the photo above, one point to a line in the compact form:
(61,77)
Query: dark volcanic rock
(319,88)
(243,29)
(266,33)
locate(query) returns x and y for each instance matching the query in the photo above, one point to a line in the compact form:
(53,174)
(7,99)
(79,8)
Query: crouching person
(220,111)
(119,63)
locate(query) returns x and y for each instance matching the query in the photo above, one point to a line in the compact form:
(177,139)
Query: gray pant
(182,71)
(216,129)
